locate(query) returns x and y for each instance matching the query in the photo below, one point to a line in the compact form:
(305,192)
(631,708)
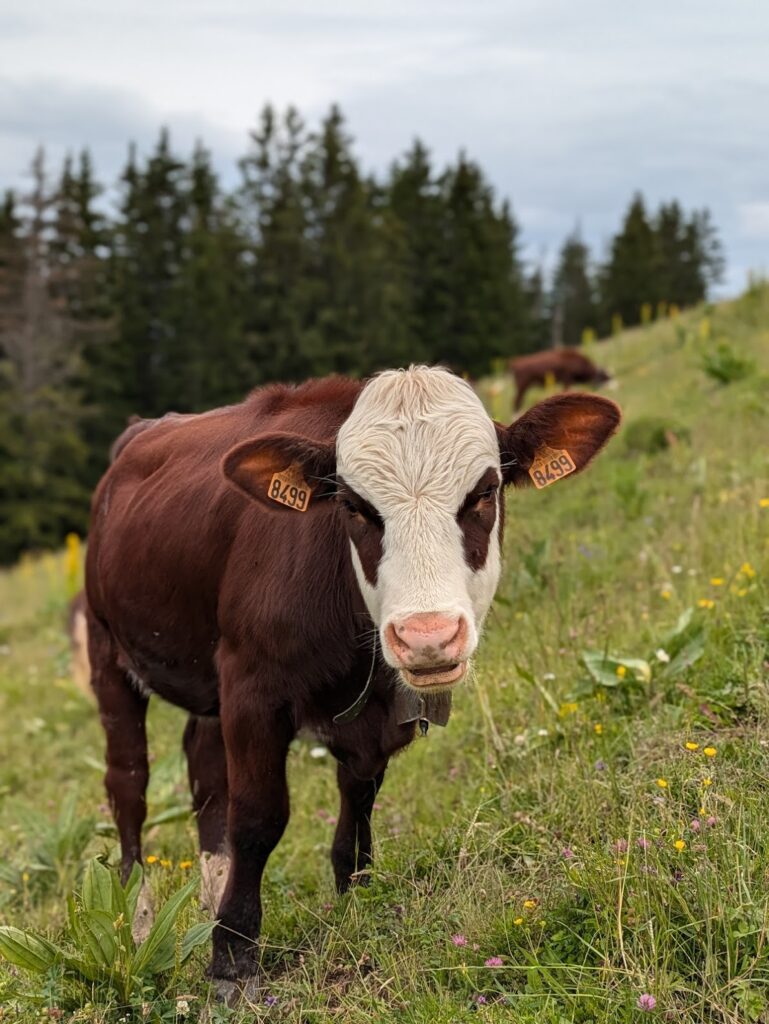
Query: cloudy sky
(569,105)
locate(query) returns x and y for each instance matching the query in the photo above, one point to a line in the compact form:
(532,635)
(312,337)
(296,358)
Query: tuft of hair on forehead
(415,393)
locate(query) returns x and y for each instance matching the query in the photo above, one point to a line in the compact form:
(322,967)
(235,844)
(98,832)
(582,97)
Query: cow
(319,557)
(564,365)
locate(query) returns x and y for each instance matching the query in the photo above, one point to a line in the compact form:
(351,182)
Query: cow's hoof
(144,916)
(237,993)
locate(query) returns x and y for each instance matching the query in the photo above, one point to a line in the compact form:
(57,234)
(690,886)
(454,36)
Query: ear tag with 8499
(550,465)
(288,487)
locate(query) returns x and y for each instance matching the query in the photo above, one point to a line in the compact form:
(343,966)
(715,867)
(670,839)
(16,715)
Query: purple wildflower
(694,824)
(620,846)
(481,1000)
(459,940)
(567,853)
(643,843)
(646,1002)
(493,961)
(271,1001)
(600,766)
(711,821)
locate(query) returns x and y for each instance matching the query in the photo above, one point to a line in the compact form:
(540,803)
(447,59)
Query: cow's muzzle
(430,649)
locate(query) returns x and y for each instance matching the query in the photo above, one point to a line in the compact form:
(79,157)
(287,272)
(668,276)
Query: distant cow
(319,557)
(564,365)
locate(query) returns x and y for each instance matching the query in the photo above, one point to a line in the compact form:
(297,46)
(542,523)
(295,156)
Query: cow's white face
(419,469)
(418,466)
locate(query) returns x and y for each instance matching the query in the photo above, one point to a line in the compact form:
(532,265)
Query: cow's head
(420,471)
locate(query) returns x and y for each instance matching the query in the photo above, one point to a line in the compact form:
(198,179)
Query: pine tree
(631,276)
(42,456)
(573,291)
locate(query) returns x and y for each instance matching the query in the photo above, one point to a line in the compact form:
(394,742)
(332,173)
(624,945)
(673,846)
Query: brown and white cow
(319,557)
(567,366)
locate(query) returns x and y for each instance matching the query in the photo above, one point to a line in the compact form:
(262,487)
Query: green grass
(535,825)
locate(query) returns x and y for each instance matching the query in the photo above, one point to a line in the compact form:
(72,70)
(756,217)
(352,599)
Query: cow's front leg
(351,850)
(256,741)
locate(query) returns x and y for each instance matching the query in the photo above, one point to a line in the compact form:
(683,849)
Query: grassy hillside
(589,831)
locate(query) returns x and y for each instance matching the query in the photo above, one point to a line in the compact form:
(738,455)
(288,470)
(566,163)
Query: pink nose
(430,636)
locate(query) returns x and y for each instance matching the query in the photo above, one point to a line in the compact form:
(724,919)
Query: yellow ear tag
(550,464)
(288,487)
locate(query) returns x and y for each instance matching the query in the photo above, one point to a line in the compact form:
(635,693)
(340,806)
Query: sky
(569,105)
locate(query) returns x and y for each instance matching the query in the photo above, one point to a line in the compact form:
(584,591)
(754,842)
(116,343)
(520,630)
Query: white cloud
(754,220)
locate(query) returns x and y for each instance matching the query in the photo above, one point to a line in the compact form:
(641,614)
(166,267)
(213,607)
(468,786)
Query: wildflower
(677,569)
(25,876)
(707,782)
(621,671)
(567,853)
(481,1000)
(529,904)
(679,845)
(646,1002)
(716,581)
(692,746)
(152,859)
(166,863)
(270,1000)
(747,570)
(182,1006)
(493,961)
(598,728)
(662,783)
(620,846)
(600,765)
(706,602)
(763,502)
(662,656)
(459,940)
(711,821)
(741,591)
(518,920)
(710,751)
(185,865)
(568,708)
(694,825)
(665,595)
(643,843)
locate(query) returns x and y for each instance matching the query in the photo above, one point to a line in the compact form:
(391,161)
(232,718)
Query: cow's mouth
(435,677)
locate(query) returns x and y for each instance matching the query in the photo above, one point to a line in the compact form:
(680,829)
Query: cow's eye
(486,495)
(360,513)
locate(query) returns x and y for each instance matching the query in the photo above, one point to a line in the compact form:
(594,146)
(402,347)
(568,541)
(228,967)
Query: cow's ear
(555,438)
(283,470)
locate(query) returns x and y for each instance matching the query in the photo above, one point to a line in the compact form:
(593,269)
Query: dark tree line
(171,292)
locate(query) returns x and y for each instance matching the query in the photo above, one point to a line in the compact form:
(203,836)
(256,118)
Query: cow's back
(169,534)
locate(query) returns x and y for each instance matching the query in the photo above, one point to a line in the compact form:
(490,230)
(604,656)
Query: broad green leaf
(603,668)
(162,928)
(690,653)
(194,937)
(97,888)
(132,889)
(95,931)
(27,950)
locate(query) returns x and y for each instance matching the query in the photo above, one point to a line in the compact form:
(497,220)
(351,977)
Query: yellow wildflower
(707,782)
(518,920)
(185,865)
(662,783)
(152,859)
(692,746)
(665,595)
(598,728)
(747,570)
(703,810)
(166,863)
(742,591)
(763,503)
(710,751)
(706,602)
(568,708)
(716,581)
(529,904)
(25,876)
(621,671)
(679,845)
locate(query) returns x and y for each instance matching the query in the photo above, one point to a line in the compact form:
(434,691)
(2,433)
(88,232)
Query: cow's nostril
(432,631)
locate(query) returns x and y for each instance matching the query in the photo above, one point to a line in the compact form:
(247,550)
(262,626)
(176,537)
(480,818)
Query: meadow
(586,841)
